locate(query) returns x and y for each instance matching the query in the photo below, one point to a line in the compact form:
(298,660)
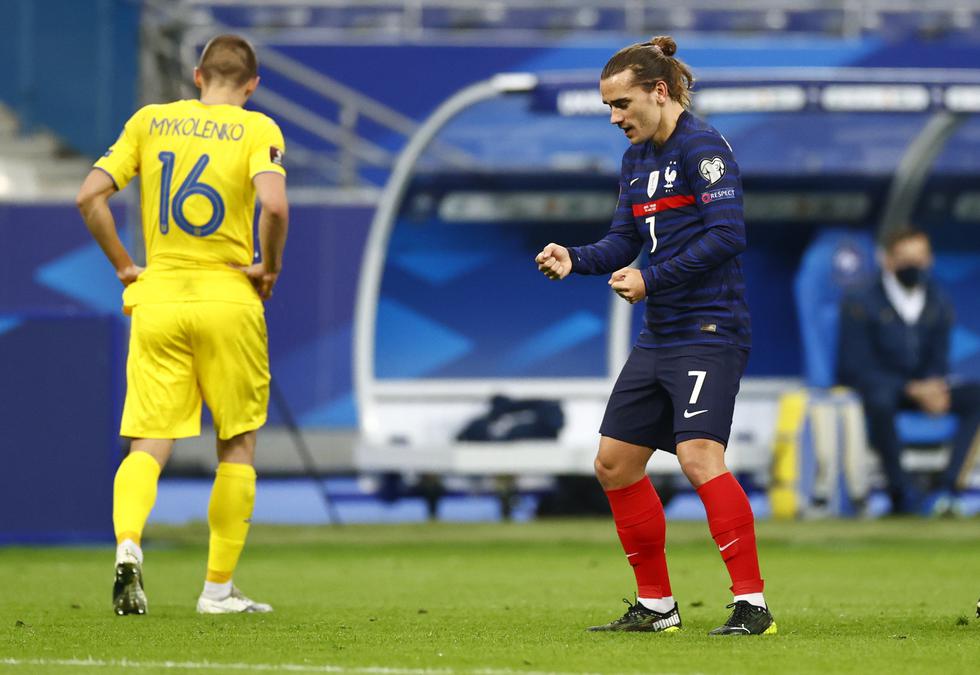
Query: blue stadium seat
(838,260)
(916,428)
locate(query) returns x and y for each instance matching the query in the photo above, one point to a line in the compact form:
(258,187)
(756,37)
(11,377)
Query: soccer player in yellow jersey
(198,325)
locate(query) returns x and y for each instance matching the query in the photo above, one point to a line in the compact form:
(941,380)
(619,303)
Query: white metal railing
(186,33)
(416,19)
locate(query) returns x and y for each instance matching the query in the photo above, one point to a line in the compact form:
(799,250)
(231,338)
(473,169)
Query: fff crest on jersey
(652,183)
(670,175)
(712,170)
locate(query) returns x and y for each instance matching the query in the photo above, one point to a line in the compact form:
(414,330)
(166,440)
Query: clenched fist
(628,284)
(554,262)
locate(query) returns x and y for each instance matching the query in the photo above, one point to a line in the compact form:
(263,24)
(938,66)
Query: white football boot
(235,603)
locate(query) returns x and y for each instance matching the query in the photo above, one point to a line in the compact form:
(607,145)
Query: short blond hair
(228,58)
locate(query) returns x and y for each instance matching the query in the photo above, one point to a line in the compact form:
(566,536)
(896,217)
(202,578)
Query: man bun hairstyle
(664,43)
(228,58)
(651,62)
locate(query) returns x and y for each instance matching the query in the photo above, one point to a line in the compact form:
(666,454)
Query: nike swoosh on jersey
(722,548)
(634,180)
(689,415)
(630,555)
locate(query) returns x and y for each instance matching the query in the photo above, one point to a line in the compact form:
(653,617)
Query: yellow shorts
(181,352)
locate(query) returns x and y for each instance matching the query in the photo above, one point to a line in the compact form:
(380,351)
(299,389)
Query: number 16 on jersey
(191,186)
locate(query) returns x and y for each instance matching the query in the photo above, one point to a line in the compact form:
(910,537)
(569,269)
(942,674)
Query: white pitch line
(274,667)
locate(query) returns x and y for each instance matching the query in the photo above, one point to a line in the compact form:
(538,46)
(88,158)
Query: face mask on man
(910,276)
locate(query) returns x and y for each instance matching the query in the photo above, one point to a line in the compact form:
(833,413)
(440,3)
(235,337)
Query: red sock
(639,517)
(733,529)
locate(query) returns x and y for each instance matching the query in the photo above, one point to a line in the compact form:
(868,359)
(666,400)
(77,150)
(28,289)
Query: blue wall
(60,402)
(71,66)
(53,268)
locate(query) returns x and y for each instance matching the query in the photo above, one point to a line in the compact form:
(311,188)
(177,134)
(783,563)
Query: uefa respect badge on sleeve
(715,195)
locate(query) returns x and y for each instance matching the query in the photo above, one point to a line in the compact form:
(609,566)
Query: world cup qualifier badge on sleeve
(712,169)
(275,155)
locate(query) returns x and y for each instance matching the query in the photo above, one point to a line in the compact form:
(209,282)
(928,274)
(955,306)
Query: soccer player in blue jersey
(680,202)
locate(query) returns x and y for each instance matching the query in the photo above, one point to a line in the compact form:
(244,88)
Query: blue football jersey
(681,204)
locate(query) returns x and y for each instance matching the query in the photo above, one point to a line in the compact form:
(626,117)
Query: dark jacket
(879,352)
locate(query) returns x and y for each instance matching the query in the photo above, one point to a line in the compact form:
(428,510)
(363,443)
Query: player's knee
(609,473)
(616,474)
(603,471)
(700,467)
(697,472)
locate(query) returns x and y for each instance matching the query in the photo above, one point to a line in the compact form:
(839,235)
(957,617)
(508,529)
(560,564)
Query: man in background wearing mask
(894,350)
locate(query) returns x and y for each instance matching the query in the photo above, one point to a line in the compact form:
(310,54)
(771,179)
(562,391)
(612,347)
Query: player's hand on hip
(262,280)
(129,274)
(628,284)
(554,261)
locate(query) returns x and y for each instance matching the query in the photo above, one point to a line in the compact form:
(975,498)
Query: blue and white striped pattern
(682,204)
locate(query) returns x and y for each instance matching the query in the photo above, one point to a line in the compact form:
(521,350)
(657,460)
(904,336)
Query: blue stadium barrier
(60,403)
(53,267)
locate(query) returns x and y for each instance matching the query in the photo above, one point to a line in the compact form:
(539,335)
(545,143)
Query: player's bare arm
(93,203)
(628,284)
(270,189)
(554,262)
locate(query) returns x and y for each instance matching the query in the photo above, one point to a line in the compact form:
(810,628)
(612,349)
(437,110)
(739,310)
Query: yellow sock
(133,493)
(229,515)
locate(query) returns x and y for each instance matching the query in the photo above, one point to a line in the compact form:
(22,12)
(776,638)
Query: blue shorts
(668,395)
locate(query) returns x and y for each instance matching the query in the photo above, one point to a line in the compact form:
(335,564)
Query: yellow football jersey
(196,163)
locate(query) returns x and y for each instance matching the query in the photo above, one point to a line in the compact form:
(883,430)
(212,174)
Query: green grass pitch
(890,596)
